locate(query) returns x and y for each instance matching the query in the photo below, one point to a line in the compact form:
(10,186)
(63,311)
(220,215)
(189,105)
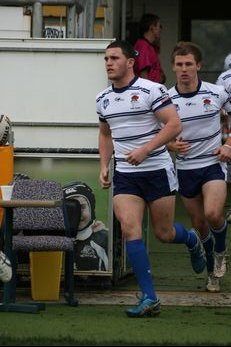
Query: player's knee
(165,234)
(214,217)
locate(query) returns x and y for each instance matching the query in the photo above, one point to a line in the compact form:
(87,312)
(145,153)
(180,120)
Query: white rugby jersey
(130,114)
(200,117)
(224,79)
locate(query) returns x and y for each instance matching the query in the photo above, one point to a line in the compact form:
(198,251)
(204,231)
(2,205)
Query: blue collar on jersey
(121,90)
(189,95)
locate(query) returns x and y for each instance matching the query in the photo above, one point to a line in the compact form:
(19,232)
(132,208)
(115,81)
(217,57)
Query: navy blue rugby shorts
(149,185)
(191,181)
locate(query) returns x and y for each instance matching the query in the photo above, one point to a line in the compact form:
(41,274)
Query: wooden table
(9,303)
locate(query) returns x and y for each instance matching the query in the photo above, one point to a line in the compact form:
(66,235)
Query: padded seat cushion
(42,243)
(37,218)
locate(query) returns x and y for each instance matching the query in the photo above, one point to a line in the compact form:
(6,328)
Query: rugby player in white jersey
(136,120)
(200,156)
(224,78)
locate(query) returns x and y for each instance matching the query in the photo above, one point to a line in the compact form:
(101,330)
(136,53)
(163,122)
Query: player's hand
(181,146)
(223,153)
(105,182)
(136,156)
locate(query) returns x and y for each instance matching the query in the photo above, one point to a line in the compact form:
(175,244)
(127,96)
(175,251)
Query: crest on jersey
(177,107)
(135,100)
(105,103)
(207,104)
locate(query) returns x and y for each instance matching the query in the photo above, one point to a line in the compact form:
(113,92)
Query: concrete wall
(13,23)
(49,90)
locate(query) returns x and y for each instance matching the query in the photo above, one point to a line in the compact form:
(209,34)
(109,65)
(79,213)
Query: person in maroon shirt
(147,63)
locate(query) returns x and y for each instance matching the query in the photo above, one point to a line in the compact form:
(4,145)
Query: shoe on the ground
(5,268)
(220,263)
(145,308)
(197,254)
(213,283)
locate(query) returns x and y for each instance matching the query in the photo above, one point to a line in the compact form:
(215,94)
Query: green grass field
(109,326)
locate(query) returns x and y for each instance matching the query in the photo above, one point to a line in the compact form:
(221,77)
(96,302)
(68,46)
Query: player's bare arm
(105,150)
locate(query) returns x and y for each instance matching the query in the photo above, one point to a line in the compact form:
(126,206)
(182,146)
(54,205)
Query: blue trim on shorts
(149,185)
(191,181)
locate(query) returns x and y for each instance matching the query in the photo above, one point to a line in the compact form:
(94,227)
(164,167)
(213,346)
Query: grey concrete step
(167,298)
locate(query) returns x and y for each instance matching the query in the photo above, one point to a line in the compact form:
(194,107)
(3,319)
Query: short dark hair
(187,47)
(125,46)
(146,21)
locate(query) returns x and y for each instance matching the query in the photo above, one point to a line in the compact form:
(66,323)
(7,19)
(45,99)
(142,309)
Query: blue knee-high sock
(208,244)
(220,238)
(137,254)
(184,236)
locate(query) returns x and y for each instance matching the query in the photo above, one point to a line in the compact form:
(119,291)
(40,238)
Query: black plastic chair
(45,229)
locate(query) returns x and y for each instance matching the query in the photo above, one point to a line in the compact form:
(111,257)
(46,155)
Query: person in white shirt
(224,78)
(200,156)
(136,121)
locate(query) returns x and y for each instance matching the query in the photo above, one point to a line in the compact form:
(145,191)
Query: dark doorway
(210,28)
